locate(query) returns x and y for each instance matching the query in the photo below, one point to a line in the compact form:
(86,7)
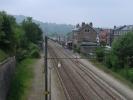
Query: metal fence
(7,69)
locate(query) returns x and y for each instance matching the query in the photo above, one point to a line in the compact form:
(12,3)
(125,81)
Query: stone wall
(7,69)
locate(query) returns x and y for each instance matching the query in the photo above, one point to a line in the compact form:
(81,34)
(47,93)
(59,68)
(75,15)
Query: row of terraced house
(85,37)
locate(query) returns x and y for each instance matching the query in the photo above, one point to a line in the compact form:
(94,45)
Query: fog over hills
(49,28)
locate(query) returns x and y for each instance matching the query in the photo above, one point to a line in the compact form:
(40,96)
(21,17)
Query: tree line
(20,40)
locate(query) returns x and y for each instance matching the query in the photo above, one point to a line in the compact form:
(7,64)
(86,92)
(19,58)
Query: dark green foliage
(121,54)
(76,49)
(32,31)
(34,51)
(15,39)
(123,49)
(100,54)
(7,40)
(3,55)
(21,54)
(108,58)
(120,58)
(20,40)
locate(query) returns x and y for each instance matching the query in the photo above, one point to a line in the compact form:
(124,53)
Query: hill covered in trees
(49,28)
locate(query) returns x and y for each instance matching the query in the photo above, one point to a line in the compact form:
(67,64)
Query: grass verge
(21,81)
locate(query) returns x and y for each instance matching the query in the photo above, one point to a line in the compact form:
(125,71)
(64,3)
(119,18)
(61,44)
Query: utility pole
(46,69)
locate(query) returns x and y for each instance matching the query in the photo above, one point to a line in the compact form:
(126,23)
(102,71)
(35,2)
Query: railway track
(98,81)
(94,84)
(74,93)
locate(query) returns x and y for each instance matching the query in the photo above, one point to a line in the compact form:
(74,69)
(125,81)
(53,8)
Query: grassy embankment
(123,75)
(120,75)
(22,79)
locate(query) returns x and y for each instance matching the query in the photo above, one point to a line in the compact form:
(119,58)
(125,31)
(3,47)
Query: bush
(78,49)
(108,58)
(21,54)
(115,62)
(122,48)
(32,46)
(100,54)
(3,55)
(34,51)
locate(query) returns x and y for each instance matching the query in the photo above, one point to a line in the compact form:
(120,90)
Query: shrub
(122,48)
(21,54)
(114,62)
(35,53)
(3,55)
(32,46)
(100,54)
(108,58)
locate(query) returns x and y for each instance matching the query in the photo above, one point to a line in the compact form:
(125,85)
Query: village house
(118,31)
(85,38)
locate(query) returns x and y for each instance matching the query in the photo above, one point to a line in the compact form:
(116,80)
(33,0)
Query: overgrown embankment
(23,41)
(22,79)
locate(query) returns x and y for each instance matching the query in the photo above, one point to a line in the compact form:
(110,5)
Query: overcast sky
(103,13)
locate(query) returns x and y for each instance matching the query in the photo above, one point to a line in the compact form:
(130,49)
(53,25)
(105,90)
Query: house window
(87,30)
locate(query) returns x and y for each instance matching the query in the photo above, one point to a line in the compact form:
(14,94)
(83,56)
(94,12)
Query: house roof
(98,30)
(129,27)
(87,25)
(125,27)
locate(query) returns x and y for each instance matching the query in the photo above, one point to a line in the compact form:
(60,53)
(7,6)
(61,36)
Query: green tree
(122,48)
(100,54)
(7,42)
(32,30)
(17,39)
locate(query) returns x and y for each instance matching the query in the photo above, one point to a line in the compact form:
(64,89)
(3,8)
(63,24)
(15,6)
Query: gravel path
(37,87)
(38,84)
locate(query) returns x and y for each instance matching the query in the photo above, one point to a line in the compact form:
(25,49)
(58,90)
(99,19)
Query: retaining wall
(7,69)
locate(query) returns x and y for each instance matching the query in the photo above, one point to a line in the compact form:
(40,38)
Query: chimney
(91,24)
(77,26)
(114,27)
(83,24)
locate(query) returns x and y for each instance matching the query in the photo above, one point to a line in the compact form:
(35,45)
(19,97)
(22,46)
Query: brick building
(85,38)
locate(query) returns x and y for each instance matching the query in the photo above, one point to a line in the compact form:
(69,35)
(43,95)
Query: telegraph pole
(46,69)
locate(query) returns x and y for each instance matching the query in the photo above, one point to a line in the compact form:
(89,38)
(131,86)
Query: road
(78,81)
